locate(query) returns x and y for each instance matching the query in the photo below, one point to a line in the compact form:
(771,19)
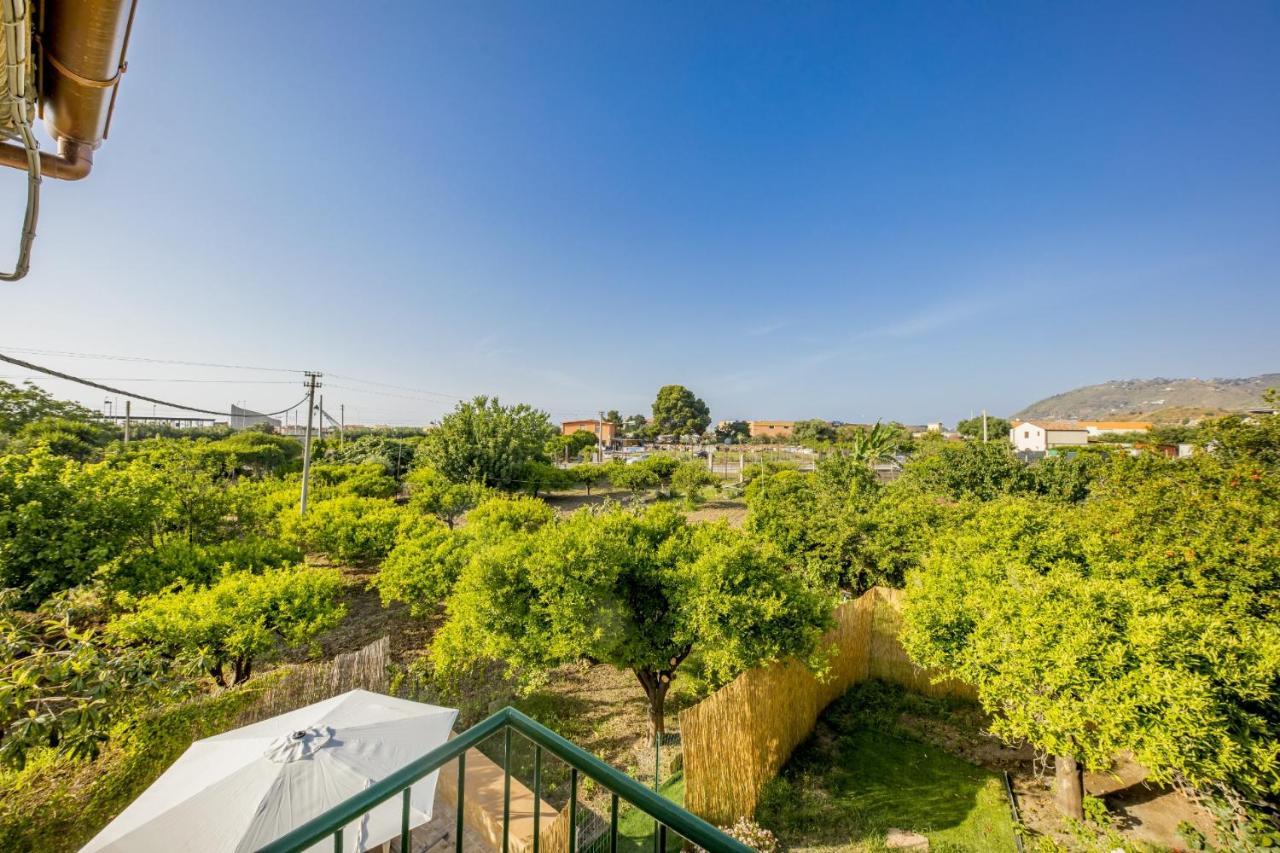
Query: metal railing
(666,814)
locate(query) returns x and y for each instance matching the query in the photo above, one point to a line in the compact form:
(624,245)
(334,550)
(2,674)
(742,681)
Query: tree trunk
(655,689)
(1068,786)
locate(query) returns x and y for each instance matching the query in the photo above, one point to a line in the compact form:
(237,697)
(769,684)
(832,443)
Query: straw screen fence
(738,738)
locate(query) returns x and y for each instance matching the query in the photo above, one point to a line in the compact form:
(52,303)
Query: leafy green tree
(486,442)
(566,447)
(422,569)
(148,570)
(365,480)
(21,405)
(348,529)
(590,475)
(997,428)
(813,432)
(819,521)
(634,426)
(435,494)
(639,592)
(676,411)
(635,478)
(255,453)
(1085,652)
(733,432)
(62,687)
(967,470)
(79,438)
(1240,439)
(242,619)
(690,479)
(60,520)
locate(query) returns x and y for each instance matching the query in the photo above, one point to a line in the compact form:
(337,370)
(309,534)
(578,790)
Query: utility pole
(342,424)
(600,437)
(128,420)
(306,442)
(322,417)
(984,426)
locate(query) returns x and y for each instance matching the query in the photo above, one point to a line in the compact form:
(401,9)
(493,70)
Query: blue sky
(903,210)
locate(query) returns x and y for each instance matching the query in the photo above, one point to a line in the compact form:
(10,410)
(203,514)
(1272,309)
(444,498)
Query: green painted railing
(666,814)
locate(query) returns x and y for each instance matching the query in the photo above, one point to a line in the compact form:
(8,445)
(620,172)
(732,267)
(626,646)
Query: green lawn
(635,828)
(859,775)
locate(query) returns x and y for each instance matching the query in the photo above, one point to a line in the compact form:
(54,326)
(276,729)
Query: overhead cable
(29,366)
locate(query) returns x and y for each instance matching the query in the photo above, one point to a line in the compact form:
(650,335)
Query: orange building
(772,429)
(606,432)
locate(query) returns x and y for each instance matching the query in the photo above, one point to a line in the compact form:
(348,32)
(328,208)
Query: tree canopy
(1118,627)
(639,591)
(997,428)
(486,442)
(676,411)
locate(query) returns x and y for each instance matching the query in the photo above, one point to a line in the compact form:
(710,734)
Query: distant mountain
(1161,400)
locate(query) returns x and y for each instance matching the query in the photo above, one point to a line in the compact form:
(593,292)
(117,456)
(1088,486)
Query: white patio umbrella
(242,789)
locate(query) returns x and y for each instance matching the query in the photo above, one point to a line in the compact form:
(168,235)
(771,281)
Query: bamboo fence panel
(738,738)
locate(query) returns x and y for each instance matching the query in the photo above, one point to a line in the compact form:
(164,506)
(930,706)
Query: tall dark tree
(676,411)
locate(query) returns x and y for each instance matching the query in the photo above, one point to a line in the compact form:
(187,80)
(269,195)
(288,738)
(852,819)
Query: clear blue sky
(902,210)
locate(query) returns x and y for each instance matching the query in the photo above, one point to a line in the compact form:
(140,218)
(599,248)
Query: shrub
(347,529)
(172,560)
(637,478)
(690,478)
(366,480)
(241,619)
(435,494)
(422,570)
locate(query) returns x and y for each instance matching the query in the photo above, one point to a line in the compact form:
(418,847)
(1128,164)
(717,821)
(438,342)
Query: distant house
(1103,427)
(772,429)
(1042,436)
(606,431)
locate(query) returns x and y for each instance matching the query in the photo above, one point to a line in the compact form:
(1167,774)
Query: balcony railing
(667,815)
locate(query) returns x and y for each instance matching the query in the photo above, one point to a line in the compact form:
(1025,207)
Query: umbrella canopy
(239,790)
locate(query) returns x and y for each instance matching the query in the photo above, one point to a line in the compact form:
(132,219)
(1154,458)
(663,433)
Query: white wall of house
(1028,436)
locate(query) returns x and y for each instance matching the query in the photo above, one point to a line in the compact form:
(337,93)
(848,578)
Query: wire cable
(29,366)
(30,351)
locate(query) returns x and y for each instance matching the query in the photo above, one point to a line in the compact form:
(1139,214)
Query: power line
(153,379)
(67,354)
(29,366)
(390,385)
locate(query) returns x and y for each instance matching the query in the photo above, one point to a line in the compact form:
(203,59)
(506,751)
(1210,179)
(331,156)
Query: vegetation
(676,411)
(639,591)
(244,617)
(860,774)
(997,428)
(483,441)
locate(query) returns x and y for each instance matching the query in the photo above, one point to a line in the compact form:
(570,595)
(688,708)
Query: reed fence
(738,738)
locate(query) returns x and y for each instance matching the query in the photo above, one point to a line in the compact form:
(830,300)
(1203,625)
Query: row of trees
(1099,604)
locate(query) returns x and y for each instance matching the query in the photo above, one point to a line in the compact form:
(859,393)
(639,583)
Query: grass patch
(635,828)
(860,774)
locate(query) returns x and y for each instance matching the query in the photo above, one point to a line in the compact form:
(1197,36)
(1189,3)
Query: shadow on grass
(856,777)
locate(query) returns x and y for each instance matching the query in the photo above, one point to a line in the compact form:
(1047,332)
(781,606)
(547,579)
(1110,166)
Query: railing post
(613,824)
(537,796)
(337,841)
(573,809)
(506,789)
(462,792)
(405,844)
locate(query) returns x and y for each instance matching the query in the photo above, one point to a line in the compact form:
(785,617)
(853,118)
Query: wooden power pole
(306,441)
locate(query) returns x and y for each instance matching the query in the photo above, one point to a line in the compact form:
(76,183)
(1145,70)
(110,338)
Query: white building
(1040,436)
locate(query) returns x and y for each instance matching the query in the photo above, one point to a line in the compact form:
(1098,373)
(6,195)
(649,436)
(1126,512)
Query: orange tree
(638,591)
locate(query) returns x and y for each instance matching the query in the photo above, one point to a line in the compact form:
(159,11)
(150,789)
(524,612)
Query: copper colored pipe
(72,162)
